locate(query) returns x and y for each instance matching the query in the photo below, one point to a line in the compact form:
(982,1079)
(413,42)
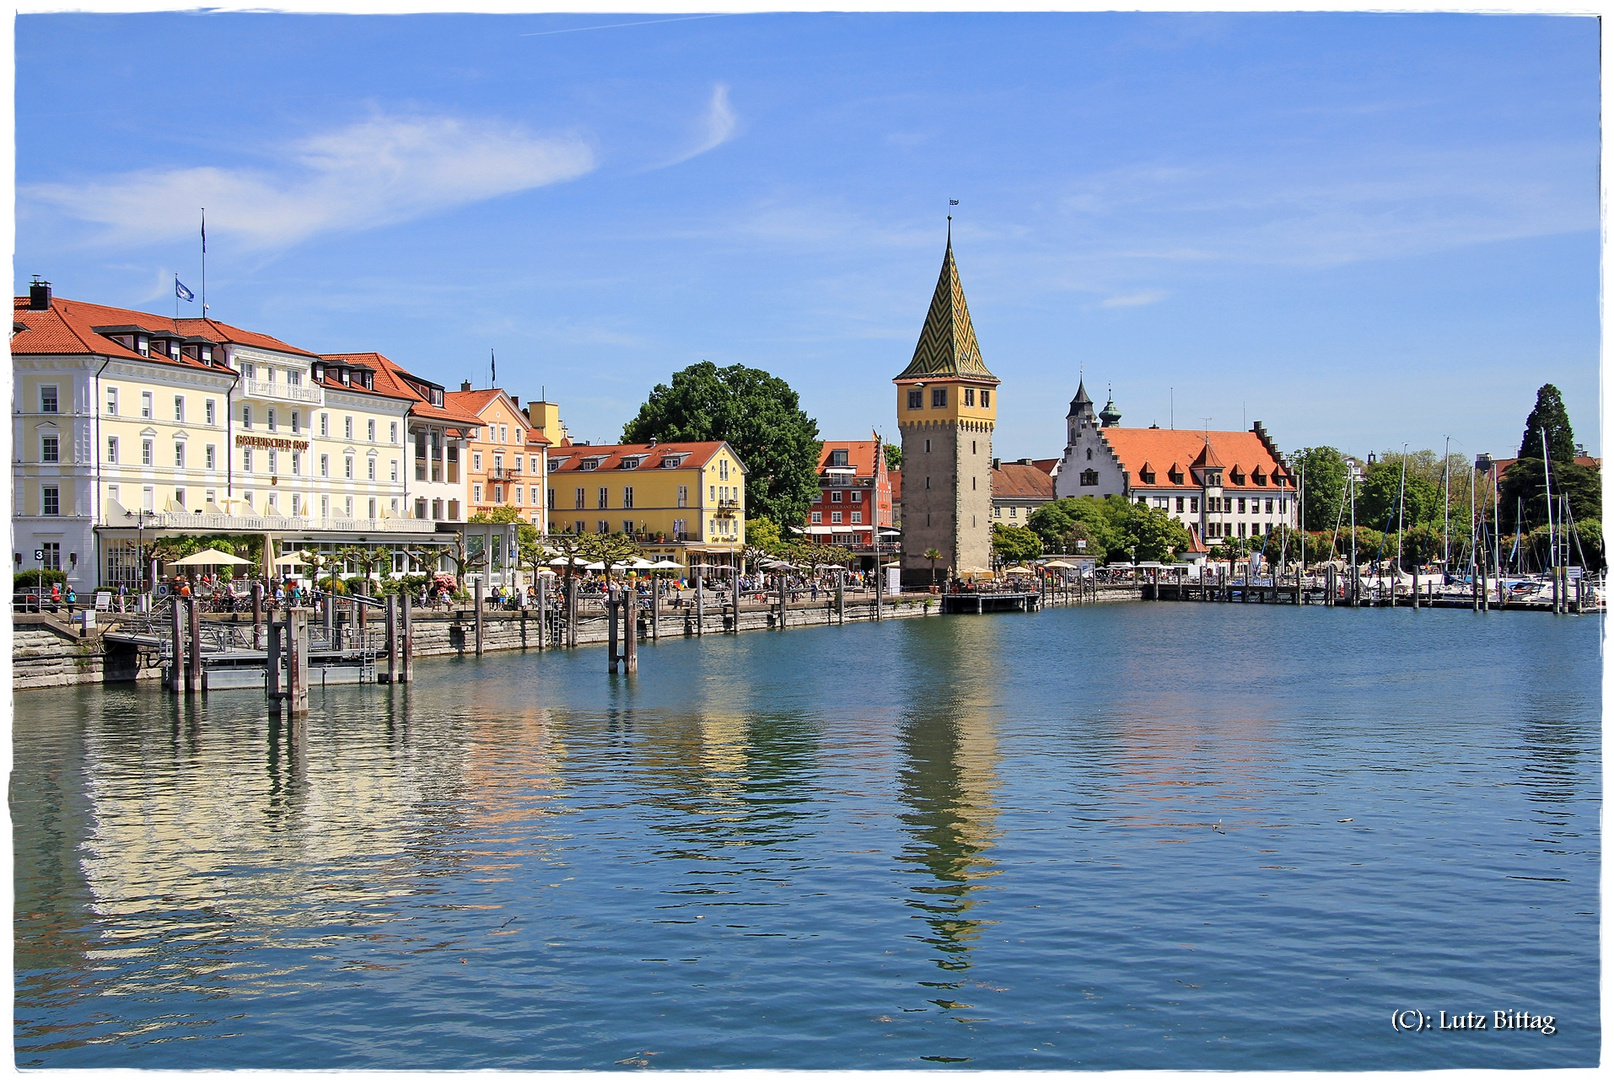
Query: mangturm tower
(946,410)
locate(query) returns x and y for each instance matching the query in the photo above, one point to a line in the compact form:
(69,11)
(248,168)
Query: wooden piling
(630,625)
(478,598)
(1416,586)
(297,661)
(406,644)
(392,640)
(257,615)
(1328,600)
(655,609)
(543,609)
(176,637)
(700,604)
(611,606)
(840,598)
(193,664)
(783,601)
(272,672)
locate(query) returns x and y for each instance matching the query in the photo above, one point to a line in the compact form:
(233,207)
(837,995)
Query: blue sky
(1362,230)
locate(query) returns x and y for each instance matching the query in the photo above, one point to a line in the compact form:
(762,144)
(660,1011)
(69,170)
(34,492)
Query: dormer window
(837,458)
(1175,475)
(555,463)
(347,377)
(319,372)
(1259,477)
(207,354)
(671,461)
(1146,474)
(590,464)
(142,345)
(1237,474)
(630,462)
(437,397)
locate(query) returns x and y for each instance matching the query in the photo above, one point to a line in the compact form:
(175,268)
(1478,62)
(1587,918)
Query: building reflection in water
(946,783)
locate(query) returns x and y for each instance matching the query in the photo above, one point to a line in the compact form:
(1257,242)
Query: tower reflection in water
(946,783)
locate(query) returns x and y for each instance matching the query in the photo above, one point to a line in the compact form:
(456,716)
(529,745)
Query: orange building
(508,458)
(854,495)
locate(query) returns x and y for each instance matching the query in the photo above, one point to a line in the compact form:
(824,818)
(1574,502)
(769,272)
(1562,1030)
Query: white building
(1219,484)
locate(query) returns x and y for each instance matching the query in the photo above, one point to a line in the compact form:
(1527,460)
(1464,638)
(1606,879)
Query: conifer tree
(1551,417)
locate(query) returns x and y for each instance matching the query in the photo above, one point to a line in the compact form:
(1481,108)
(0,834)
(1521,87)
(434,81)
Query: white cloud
(1135,300)
(718,126)
(378,171)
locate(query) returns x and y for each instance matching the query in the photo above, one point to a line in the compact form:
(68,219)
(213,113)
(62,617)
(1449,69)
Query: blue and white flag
(182,292)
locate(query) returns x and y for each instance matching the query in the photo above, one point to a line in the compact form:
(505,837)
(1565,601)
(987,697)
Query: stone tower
(946,411)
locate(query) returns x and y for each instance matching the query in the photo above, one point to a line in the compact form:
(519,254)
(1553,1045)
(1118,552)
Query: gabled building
(508,463)
(1018,488)
(946,413)
(1219,484)
(683,501)
(854,496)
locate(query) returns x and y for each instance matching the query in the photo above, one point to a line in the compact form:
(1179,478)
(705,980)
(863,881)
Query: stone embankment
(47,650)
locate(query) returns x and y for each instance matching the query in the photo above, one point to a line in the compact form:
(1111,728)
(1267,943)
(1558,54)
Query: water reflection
(947,780)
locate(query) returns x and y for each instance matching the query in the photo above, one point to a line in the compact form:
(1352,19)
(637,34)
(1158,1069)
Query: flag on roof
(180,290)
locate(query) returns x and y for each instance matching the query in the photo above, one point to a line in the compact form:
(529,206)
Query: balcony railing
(498,472)
(262,523)
(257,388)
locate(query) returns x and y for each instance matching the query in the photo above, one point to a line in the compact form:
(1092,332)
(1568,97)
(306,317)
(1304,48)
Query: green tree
(1154,535)
(933,556)
(893,455)
(1377,492)
(1063,522)
(1549,417)
(1014,545)
(1322,470)
(758,414)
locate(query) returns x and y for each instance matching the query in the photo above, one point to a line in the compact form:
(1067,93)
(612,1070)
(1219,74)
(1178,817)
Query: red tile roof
(1012,481)
(1162,449)
(1580,459)
(392,380)
(66,328)
(1046,464)
(859,455)
(474,401)
(699,453)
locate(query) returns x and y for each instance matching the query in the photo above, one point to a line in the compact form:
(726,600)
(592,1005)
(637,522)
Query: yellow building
(685,501)
(509,466)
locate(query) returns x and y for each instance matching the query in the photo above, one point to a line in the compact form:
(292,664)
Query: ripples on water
(1139,836)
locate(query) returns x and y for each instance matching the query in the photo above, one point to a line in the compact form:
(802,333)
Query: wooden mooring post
(543,609)
(193,652)
(700,603)
(1417,585)
(257,615)
(840,598)
(391,675)
(611,607)
(655,609)
(478,600)
(1328,601)
(297,661)
(271,682)
(176,636)
(630,628)
(783,601)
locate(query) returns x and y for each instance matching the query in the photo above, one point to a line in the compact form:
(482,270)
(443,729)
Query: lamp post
(140,545)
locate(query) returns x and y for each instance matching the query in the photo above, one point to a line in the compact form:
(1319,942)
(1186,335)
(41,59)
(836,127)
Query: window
(112,449)
(179,497)
(723,469)
(210,411)
(927,488)
(627,528)
(818,517)
(294,378)
(394,470)
(371,466)
(973,450)
(179,408)
(296,463)
(683,495)
(916,399)
(246,417)
(393,432)
(370,430)
(112,401)
(325,464)
(274,462)
(602,527)
(347,506)
(347,466)
(834,517)
(147,451)
(296,422)
(1143,500)
(325,425)
(372,508)
(986,399)
(604,499)
(627,498)
(476,462)
(272,426)
(835,496)
(1089,478)
(551,499)
(579,505)
(504,433)
(1269,510)
(347,427)
(1241,506)
(47,399)
(517,489)
(145,404)
(1193,506)
(50,500)
(997,511)
(49,448)
(179,455)
(247,371)
(938,397)
(837,458)
(857,496)
(927,446)
(857,517)
(969,396)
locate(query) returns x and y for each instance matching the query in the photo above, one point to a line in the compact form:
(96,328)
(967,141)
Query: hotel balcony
(237,523)
(279,391)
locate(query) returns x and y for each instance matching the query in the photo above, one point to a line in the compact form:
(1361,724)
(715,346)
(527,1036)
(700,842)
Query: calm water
(1137,836)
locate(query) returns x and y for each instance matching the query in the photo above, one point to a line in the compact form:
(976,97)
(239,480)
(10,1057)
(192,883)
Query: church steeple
(947,343)
(1110,415)
(1081,405)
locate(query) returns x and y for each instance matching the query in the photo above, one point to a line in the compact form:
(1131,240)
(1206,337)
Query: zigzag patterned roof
(947,343)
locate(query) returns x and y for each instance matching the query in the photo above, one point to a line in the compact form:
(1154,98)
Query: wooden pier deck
(983,602)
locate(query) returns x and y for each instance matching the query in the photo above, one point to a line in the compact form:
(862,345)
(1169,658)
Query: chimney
(39,295)
(995,463)
(465,387)
(515,401)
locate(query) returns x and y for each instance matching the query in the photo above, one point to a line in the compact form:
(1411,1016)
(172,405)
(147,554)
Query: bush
(333,585)
(33,579)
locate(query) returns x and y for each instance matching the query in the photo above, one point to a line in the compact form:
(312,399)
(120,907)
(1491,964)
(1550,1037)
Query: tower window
(986,399)
(916,399)
(969,396)
(938,397)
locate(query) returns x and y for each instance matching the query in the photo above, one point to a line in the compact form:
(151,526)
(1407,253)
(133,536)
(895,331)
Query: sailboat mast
(1546,479)
(1445,509)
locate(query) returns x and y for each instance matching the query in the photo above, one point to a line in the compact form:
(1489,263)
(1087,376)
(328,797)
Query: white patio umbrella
(294,558)
(666,564)
(209,557)
(1019,570)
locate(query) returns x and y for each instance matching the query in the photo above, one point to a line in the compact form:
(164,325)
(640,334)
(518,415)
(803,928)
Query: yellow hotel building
(684,501)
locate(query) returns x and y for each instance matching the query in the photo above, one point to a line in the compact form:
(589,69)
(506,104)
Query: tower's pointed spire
(1081,404)
(947,343)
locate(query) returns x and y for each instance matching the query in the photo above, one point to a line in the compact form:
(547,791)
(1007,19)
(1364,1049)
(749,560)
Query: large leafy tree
(1377,492)
(756,413)
(1014,545)
(1322,470)
(1549,417)
(1154,535)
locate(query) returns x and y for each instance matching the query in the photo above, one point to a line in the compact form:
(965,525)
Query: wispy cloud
(378,171)
(1135,300)
(718,126)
